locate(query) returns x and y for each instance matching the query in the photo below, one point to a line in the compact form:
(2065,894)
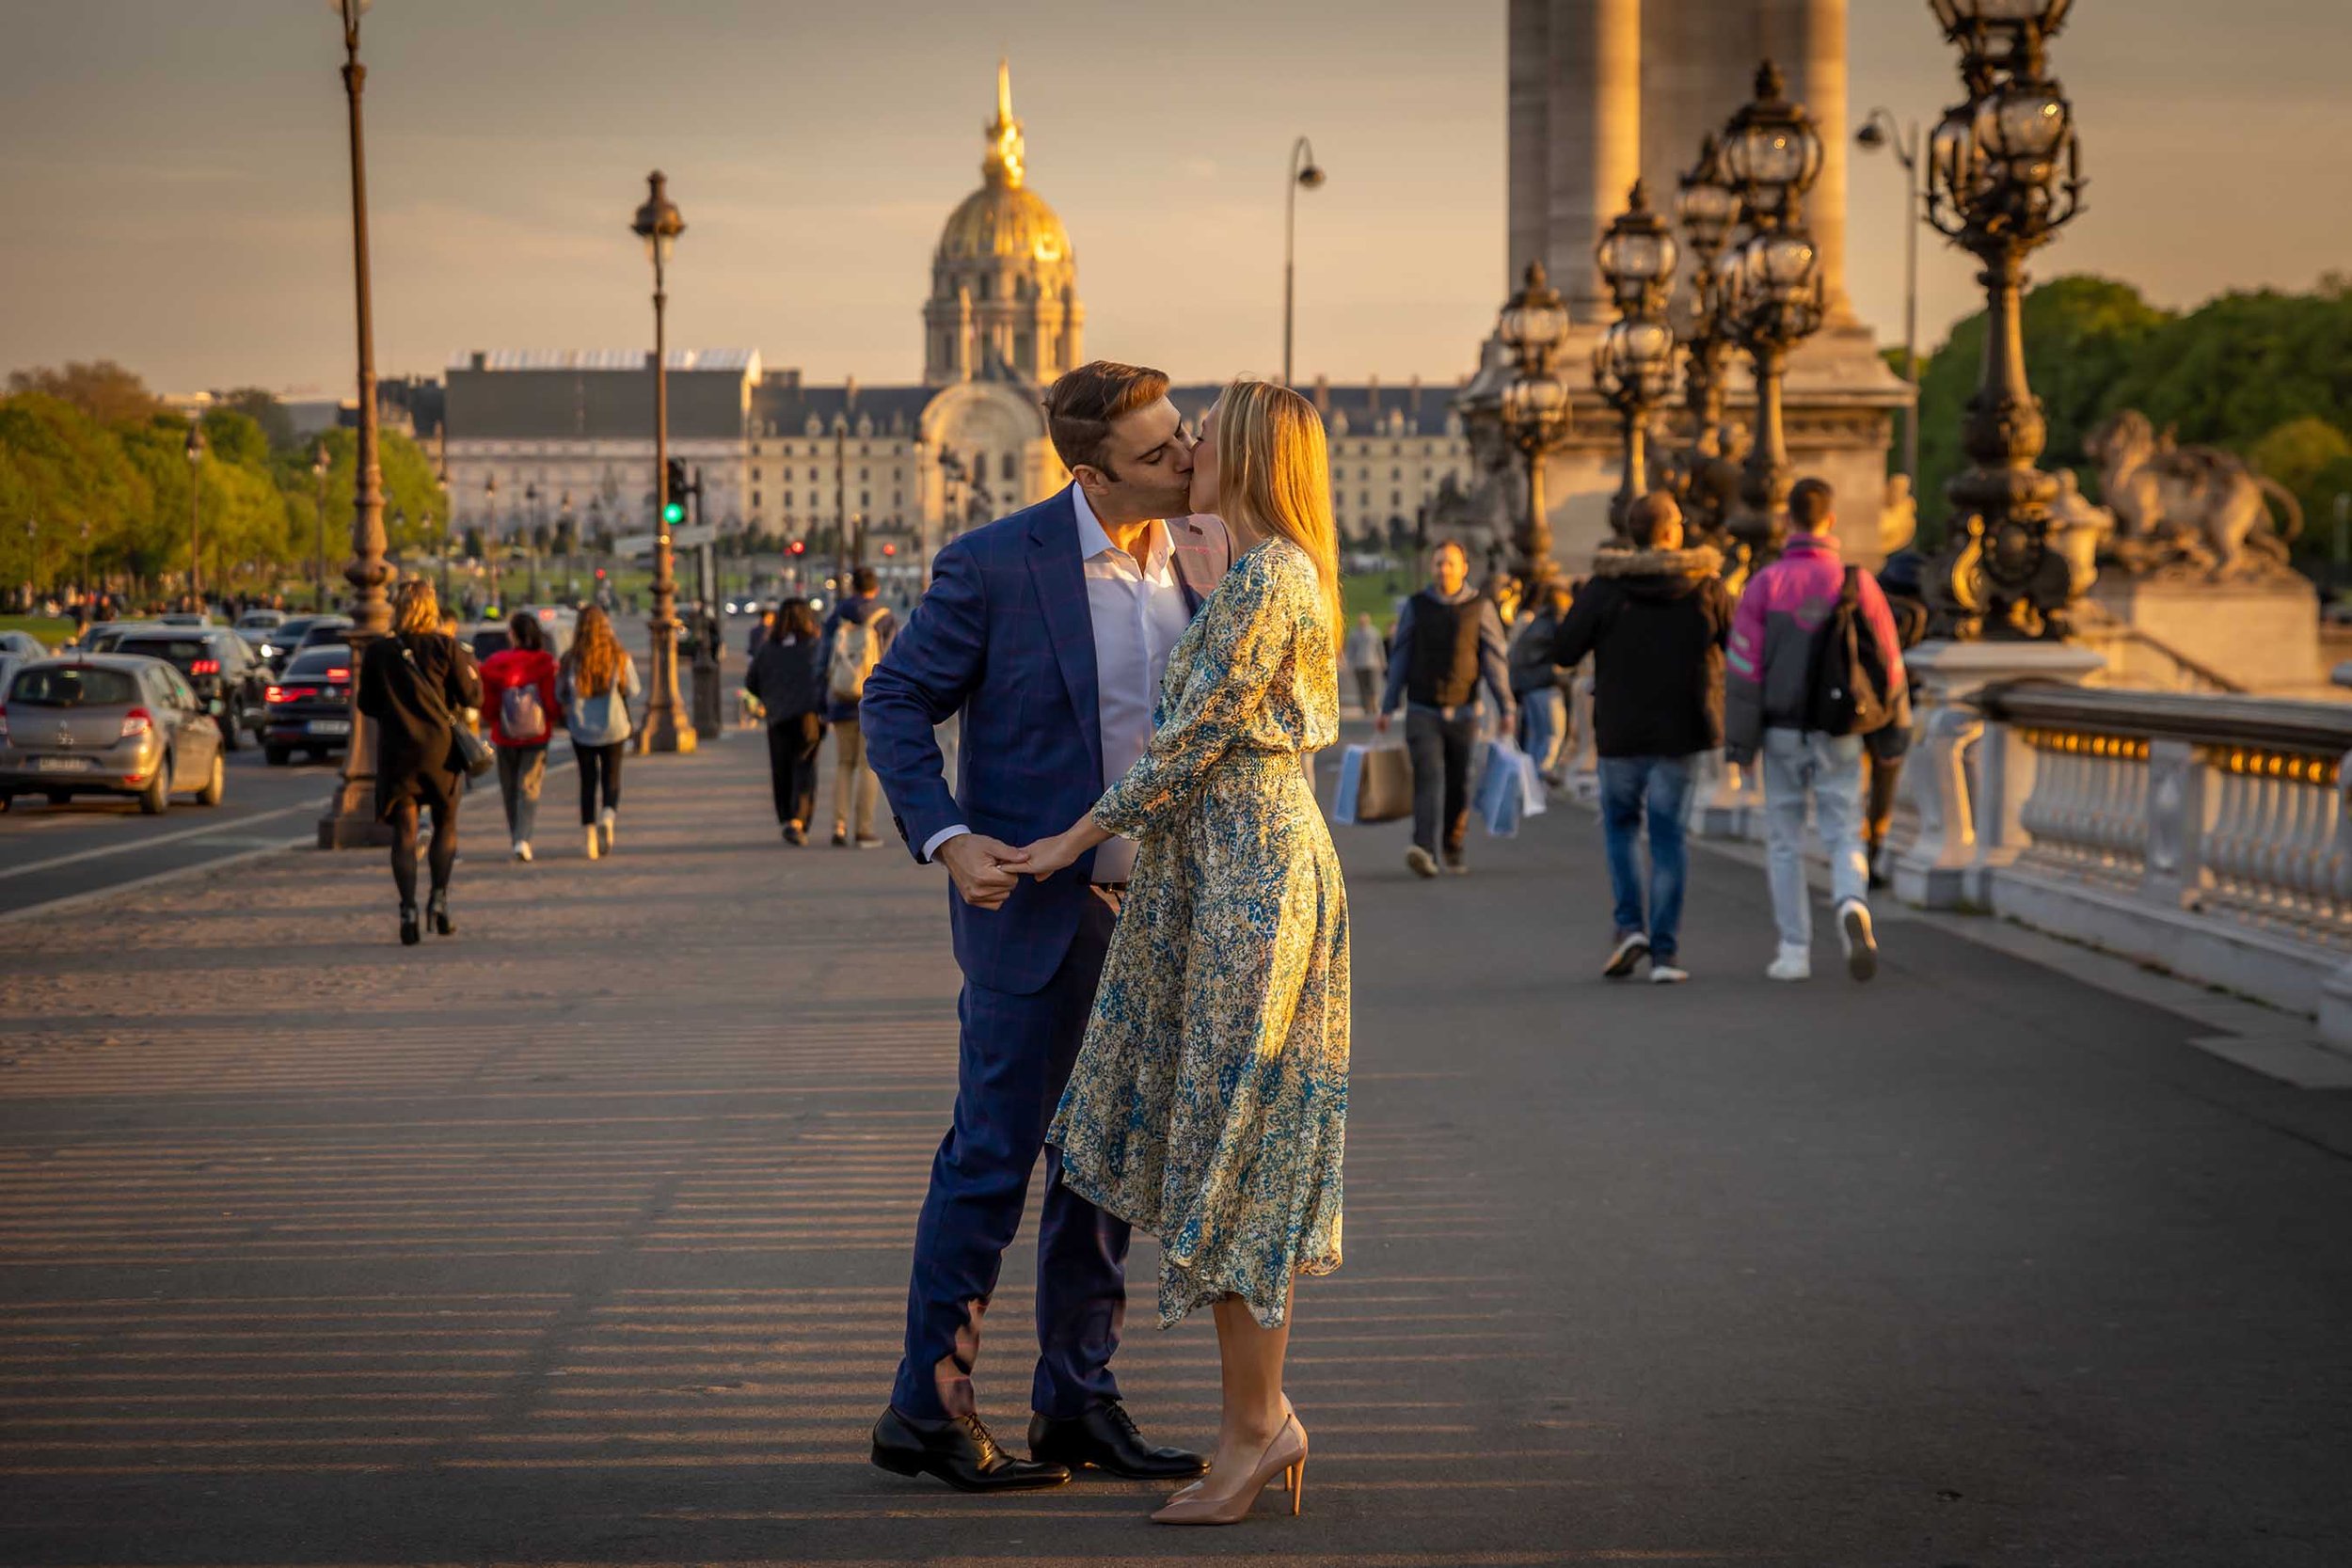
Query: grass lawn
(51,629)
(1371,594)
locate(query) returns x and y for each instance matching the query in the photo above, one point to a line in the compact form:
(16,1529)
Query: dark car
(283,641)
(310,705)
(232,684)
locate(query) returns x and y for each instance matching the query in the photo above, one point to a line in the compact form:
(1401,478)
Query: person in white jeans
(1802,768)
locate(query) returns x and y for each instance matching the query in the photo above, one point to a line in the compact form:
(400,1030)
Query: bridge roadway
(580,1238)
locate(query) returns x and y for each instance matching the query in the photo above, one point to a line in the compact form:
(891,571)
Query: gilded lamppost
(196,513)
(1306,175)
(659,224)
(1633,364)
(350,818)
(1772,288)
(1709,210)
(1533,323)
(2004,174)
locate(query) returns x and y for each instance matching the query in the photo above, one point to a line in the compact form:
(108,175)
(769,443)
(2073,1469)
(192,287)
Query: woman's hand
(1049,855)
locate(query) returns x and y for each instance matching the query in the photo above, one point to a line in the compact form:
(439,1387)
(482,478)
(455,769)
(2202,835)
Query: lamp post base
(350,821)
(665,735)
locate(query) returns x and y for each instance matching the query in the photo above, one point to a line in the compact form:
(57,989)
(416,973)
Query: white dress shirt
(1137,615)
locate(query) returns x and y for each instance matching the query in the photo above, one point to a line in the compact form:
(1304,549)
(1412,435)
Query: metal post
(662,731)
(1304,172)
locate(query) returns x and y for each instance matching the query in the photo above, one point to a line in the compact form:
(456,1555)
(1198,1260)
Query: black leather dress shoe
(1105,1437)
(957,1450)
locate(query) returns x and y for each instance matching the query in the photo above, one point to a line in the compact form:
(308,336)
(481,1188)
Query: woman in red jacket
(518,694)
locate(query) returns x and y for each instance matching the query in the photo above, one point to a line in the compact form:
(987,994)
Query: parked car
(225,675)
(105,724)
(309,705)
(100,637)
(185,618)
(281,642)
(261,620)
(22,645)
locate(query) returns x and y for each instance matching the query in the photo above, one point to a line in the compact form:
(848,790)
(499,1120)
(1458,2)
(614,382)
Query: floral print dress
(1209,1103)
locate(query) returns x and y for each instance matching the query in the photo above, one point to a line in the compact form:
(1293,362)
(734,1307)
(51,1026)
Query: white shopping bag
(1509,789)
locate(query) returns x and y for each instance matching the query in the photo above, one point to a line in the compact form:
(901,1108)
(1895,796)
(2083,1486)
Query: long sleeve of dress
(1246,638)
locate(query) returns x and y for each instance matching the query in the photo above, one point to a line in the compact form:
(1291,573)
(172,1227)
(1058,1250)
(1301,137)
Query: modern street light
(1773,297)
(319,468)
(1633,364)
(1533,323)
(350,819)
(2003,175)
(659,224)
(196,512)
(1306,175)
(1902,137)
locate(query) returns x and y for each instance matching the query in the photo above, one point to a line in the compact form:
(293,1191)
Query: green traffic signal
(673,514)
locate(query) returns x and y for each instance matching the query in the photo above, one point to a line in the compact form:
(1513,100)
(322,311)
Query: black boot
(409,934)
(957,1450)
(1105,1437)
(437,911)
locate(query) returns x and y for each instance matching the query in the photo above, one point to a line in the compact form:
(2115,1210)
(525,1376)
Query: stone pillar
(1807,38)
(1530,84)
(1595,152)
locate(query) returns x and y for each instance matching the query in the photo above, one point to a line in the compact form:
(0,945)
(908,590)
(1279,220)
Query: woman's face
(1204,468)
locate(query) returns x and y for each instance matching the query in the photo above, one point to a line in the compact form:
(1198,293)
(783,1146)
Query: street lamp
(1633,363)
(2003,175)
(533,531)
(196,517)
(440,480)
(1535,405)
(490,536)
(659,224)
(1902,137)
(1306,175)
(319,466)
(569,532)
(1772,298)
(350,819)
(1709,210)
(85,582)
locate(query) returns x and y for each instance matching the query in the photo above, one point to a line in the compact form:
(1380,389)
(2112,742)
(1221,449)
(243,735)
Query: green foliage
(2298,452)
(264,410)
(102,389)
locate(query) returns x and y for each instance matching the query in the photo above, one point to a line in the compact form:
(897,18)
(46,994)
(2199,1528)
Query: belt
(1112,887)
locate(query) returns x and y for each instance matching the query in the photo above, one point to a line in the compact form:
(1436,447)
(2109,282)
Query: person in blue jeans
(1654,617)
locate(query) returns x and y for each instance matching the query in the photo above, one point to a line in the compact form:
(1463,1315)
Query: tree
(102,389)
(264,410)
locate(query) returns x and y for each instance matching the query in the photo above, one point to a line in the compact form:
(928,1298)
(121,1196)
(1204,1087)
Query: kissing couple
(1151,922)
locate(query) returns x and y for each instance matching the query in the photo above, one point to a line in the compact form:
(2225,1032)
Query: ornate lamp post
(567,531)
(1633,363)
(1306,175)
(1534,405)
(1707,209)
(1772,296)
(2004,174)
(533,531)
(659,224)
(350,817)
(490,535)
(196,513)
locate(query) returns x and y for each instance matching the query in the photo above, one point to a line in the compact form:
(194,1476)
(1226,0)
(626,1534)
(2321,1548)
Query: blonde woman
(1209,1102)
(597,682)
(412,685)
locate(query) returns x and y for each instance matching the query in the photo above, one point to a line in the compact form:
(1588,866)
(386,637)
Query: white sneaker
(595,842)
(1861,943)
(1627,956)
(1793,963)
(522,849)
(1667,974)
(604,825)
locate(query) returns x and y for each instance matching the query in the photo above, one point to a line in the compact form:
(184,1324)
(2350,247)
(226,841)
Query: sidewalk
(582,1236)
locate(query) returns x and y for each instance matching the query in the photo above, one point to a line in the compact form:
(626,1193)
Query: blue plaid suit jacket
(1004,636)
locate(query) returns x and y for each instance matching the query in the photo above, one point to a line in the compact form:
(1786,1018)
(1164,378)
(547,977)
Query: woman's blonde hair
(416,609)
(1274,476)
(594,661)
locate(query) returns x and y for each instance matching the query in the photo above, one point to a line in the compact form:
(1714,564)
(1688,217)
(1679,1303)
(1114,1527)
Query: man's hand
(1380,723)
(984,869)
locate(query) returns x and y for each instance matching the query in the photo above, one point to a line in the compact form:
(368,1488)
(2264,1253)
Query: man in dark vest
(1447,639)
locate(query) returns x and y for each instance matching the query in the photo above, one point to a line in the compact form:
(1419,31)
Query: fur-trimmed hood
(1658,574)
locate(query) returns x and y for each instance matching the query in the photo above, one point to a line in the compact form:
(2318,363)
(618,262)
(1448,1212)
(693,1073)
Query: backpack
(855,652)
(522,715)
(1849,686)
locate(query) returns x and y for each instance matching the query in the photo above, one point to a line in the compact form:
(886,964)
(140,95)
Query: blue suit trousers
(1015,1057)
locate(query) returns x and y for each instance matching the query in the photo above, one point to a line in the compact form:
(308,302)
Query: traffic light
(678,481)
(673,514)
(890,549)
(797,546)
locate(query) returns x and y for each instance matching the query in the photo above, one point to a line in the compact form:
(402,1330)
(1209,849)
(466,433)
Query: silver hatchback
(107,724)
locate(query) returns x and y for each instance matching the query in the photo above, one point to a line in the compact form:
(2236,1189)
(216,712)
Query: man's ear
(1087,477)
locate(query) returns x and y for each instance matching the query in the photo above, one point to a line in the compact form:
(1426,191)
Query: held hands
(984,869)
(1049,855)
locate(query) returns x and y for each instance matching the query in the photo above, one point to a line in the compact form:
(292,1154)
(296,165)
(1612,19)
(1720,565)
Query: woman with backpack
(413,686)
(788,683)
(598,683)
(518,689)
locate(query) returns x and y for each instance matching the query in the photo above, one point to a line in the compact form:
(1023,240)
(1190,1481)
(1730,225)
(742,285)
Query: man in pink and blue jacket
(1768,699)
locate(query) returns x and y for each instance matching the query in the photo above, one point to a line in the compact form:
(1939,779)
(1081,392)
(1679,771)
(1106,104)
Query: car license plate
(330,726)
(64,765)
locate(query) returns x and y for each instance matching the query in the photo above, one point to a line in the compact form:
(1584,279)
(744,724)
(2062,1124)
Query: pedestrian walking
(786,680)
(598,681)
(414,685)
(518,690)
(1775,690)
(761,630)
(1448,641)
(857,634)
(1654,617)
(1535,679)
(1899,580)
(1367,660)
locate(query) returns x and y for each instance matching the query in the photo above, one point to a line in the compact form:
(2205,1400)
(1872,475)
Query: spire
(1002,166)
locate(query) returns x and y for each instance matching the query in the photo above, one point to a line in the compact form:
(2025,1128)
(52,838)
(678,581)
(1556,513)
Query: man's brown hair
(1080,407)
(1809,504)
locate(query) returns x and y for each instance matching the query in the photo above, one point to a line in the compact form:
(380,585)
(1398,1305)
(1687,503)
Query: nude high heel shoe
(1285,1456)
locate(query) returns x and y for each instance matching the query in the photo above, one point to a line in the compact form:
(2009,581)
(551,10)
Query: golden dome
(1004,217)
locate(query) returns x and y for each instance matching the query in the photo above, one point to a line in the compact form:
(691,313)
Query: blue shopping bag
(1509,789)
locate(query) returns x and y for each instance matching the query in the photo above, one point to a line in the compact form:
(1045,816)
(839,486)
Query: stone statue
(2183,511)
(1898,515)
(2079,528)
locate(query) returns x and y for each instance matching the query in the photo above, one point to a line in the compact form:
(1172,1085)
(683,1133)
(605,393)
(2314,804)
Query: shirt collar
(1094,539)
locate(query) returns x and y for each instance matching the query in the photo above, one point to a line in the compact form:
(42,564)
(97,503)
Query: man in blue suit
(1046,632)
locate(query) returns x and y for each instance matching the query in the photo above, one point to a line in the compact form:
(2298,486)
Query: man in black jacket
(1655,618)
(1447,642)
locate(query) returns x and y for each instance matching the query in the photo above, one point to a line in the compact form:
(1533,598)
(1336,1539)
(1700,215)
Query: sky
(177,174)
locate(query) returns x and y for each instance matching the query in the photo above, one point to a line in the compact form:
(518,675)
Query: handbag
(1376,786)
(473,751)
